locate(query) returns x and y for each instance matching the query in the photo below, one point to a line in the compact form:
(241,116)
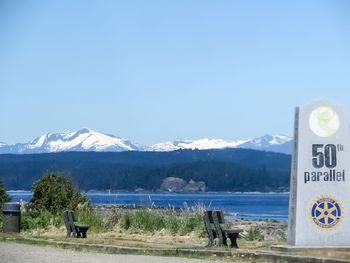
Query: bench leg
(211,237)
(233,239)
(83,233)
(224,241)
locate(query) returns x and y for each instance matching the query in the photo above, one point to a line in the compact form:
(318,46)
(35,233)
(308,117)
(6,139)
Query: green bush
(192,222)
(86,215)
(152,220)
(172,223)
(42,219)
(38,219)
(125,221)
(254,234)
(55,192)
(4,197)
(52,194)
(148,220)
(144,220)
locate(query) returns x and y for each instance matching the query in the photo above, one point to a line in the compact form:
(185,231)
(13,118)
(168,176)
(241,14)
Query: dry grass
(139,234)
(158,239)
(118,236)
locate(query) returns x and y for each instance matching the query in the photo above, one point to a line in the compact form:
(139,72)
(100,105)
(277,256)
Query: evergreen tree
(4,197)
(55,192)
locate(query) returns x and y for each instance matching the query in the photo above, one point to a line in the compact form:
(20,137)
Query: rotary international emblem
(326,213)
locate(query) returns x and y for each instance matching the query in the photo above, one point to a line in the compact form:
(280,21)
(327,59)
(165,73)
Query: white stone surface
(321,147)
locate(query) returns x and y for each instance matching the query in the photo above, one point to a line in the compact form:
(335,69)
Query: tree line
(221,170)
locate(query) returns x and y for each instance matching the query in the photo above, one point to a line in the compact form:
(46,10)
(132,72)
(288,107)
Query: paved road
(20,253)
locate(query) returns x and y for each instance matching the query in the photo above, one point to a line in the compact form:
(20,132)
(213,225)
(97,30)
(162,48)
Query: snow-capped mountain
(81,140)
(201,144)
(274,143)
(89,140)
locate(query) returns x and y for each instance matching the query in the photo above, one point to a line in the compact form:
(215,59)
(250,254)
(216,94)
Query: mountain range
(87,140)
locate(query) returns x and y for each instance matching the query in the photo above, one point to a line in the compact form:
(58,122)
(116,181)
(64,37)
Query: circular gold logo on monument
(324,121)
(326,213)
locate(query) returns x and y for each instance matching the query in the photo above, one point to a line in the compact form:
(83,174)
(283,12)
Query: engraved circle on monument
(324,121)
(320,185)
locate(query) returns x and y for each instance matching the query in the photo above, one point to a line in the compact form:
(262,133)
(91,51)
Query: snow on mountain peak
(280,139)
(271,140)
(81,140)
(277,143)
(200,144)
(89,140)
(274,143)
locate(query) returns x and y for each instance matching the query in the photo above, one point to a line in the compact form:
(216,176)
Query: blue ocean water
(239,205)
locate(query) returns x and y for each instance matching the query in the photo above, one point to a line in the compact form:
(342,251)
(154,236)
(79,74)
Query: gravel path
(20,253)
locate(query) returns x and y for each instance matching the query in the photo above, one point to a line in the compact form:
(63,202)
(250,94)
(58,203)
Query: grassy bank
(145,225)
(149,228)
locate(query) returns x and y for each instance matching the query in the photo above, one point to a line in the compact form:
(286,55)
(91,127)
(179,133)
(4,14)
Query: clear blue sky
(152,71)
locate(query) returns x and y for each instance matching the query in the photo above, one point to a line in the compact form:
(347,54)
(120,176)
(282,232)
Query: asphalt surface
(22,253)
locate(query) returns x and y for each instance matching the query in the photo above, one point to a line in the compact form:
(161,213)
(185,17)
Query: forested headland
(177,171)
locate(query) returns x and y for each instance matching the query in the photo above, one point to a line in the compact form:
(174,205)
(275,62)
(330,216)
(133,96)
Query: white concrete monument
(319,205)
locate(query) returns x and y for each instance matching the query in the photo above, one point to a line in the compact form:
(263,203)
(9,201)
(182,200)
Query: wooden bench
(213,221)
(74,229)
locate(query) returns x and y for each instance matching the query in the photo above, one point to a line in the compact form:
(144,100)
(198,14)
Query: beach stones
(319,205)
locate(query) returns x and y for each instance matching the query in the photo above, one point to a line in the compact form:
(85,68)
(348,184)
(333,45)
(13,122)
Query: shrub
(125,221)
(54,192)
(254,234)
(192,222)
(4,197)
(172,223)
(38,219)
(87,216)
(145,220)
(148,220)
(151,221)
